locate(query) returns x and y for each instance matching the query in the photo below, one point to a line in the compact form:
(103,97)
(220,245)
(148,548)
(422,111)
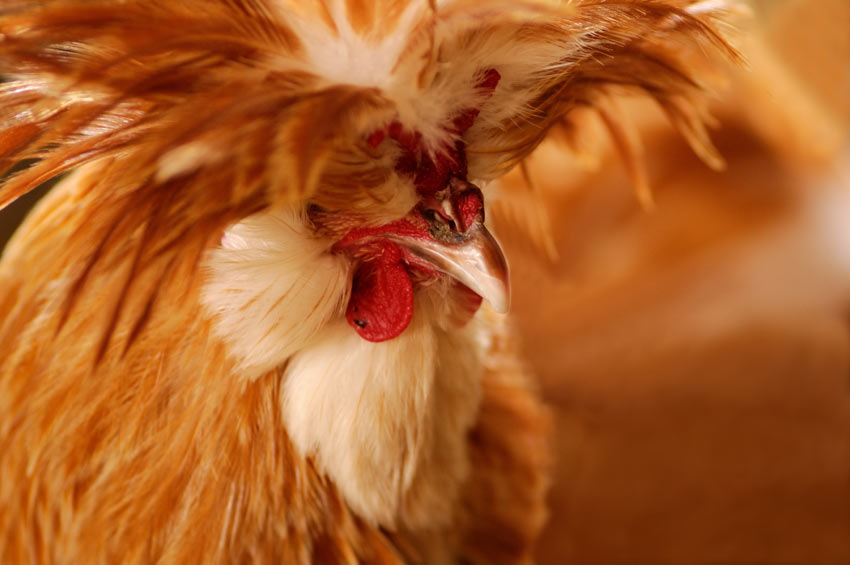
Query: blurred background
(696,357)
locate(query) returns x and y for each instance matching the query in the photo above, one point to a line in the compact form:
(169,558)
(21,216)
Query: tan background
(697,358)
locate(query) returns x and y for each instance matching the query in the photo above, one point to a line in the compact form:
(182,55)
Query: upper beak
(477,262)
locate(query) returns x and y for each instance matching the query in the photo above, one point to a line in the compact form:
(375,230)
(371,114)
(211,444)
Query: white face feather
(272,286)
(387,421)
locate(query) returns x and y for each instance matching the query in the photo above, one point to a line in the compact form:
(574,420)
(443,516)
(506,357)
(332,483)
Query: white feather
(388,421)
(272,286)
(344,56)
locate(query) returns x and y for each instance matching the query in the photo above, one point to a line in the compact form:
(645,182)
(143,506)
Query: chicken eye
(434,218)
(314,209)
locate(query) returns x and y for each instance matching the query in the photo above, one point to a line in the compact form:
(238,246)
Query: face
(442,235)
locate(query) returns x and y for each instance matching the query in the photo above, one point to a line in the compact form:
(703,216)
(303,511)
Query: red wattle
(381,304)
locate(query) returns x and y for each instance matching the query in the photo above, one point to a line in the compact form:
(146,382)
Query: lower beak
(477,262)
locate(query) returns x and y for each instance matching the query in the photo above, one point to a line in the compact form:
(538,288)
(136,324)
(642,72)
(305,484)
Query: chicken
(248,325)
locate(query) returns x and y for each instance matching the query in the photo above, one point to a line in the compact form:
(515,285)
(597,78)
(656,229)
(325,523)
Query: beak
(477,262)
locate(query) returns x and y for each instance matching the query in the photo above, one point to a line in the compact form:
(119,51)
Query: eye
(314,209)
(429,215)
(435,218)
